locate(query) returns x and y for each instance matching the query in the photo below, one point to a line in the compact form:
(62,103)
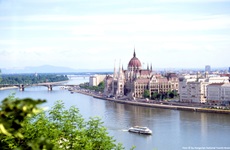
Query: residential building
(193,89)
(94,80)
(218,93)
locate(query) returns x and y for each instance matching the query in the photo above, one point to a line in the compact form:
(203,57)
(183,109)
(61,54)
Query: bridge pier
(21,87)
(50,87)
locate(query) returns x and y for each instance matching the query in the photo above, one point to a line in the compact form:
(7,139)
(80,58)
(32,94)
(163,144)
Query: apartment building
(218,93)
(96,79)
(193,88)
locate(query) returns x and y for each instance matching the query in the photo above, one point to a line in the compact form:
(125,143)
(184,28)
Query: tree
(146,94)
(101,84)
(99,88)
(154,95)
(172,94)
(159,96)
(31,78)
(13,115)
(24,126)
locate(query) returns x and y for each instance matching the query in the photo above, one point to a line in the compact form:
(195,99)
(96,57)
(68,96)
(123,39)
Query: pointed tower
(114,79)
(147,66)
(114,71)
(151,68)
(120,82)
(134,53)
(120,73)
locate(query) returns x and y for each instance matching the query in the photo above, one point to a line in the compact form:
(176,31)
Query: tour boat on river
(141,130)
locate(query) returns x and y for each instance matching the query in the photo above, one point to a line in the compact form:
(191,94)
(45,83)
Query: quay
(164,106)
(154,105)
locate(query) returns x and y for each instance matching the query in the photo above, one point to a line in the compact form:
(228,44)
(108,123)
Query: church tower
(120,82)
(114,82)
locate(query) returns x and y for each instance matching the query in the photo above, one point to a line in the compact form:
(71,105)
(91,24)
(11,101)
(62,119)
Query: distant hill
(49,69)
(39,69)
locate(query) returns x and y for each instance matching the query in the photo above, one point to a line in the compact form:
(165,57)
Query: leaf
(3,130)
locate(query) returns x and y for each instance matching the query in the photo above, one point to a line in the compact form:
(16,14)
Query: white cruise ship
(141,130)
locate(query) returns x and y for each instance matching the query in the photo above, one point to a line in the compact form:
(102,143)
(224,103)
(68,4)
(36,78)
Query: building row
(204,88)
(135,80)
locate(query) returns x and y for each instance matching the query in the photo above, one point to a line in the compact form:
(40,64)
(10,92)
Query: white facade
(194,88)
(225,92)
(218,93)
(96,79)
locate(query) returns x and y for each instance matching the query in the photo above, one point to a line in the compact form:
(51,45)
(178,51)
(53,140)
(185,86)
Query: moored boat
(141,130)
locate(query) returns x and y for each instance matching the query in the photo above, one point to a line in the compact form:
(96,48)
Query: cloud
(10,42)
(83,38)
(127,23)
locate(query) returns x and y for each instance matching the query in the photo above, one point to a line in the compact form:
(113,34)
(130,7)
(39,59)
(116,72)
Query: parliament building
(131,83)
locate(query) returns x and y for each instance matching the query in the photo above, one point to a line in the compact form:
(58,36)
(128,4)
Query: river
(172,129)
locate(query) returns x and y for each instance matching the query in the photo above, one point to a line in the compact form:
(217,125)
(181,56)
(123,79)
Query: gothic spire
(120,69)
(114,72)
(134,53)
(148,66)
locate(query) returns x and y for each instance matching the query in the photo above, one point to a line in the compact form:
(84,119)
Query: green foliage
(99,88)
(13,114)
(155,95)
(31,78)
(24,127)
(164,95)
(172,94)
(146,94)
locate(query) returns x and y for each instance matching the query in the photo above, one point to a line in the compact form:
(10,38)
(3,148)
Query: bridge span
(49,85)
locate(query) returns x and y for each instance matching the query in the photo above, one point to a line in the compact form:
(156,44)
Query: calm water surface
(172,129)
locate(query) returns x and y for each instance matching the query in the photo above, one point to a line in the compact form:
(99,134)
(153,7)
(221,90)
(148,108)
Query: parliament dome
(134,62)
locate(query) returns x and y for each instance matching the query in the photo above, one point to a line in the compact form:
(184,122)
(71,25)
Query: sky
(89,34)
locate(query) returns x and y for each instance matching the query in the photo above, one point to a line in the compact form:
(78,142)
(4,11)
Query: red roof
(162,80)
(145,72)
(216,84)
(134,62)
(143,81)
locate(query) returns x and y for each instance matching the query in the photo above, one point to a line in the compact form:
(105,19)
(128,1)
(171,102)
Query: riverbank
(175,107)
(8,88)
(154,105)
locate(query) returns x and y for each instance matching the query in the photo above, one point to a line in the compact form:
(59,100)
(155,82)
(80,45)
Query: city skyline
(91,35)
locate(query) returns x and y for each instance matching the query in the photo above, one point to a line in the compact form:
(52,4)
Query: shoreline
(162,106)
(8,88)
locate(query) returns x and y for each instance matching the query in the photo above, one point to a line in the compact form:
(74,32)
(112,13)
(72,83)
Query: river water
(172,129)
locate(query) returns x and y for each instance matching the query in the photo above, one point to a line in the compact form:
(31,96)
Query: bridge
(49,85)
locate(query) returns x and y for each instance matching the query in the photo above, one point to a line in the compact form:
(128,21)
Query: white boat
(141,130)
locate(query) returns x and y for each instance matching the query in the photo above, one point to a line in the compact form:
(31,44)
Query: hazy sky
(91,34)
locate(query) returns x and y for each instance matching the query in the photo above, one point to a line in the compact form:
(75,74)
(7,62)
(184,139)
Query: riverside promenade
(164,106)
(161,105)
(8,88)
